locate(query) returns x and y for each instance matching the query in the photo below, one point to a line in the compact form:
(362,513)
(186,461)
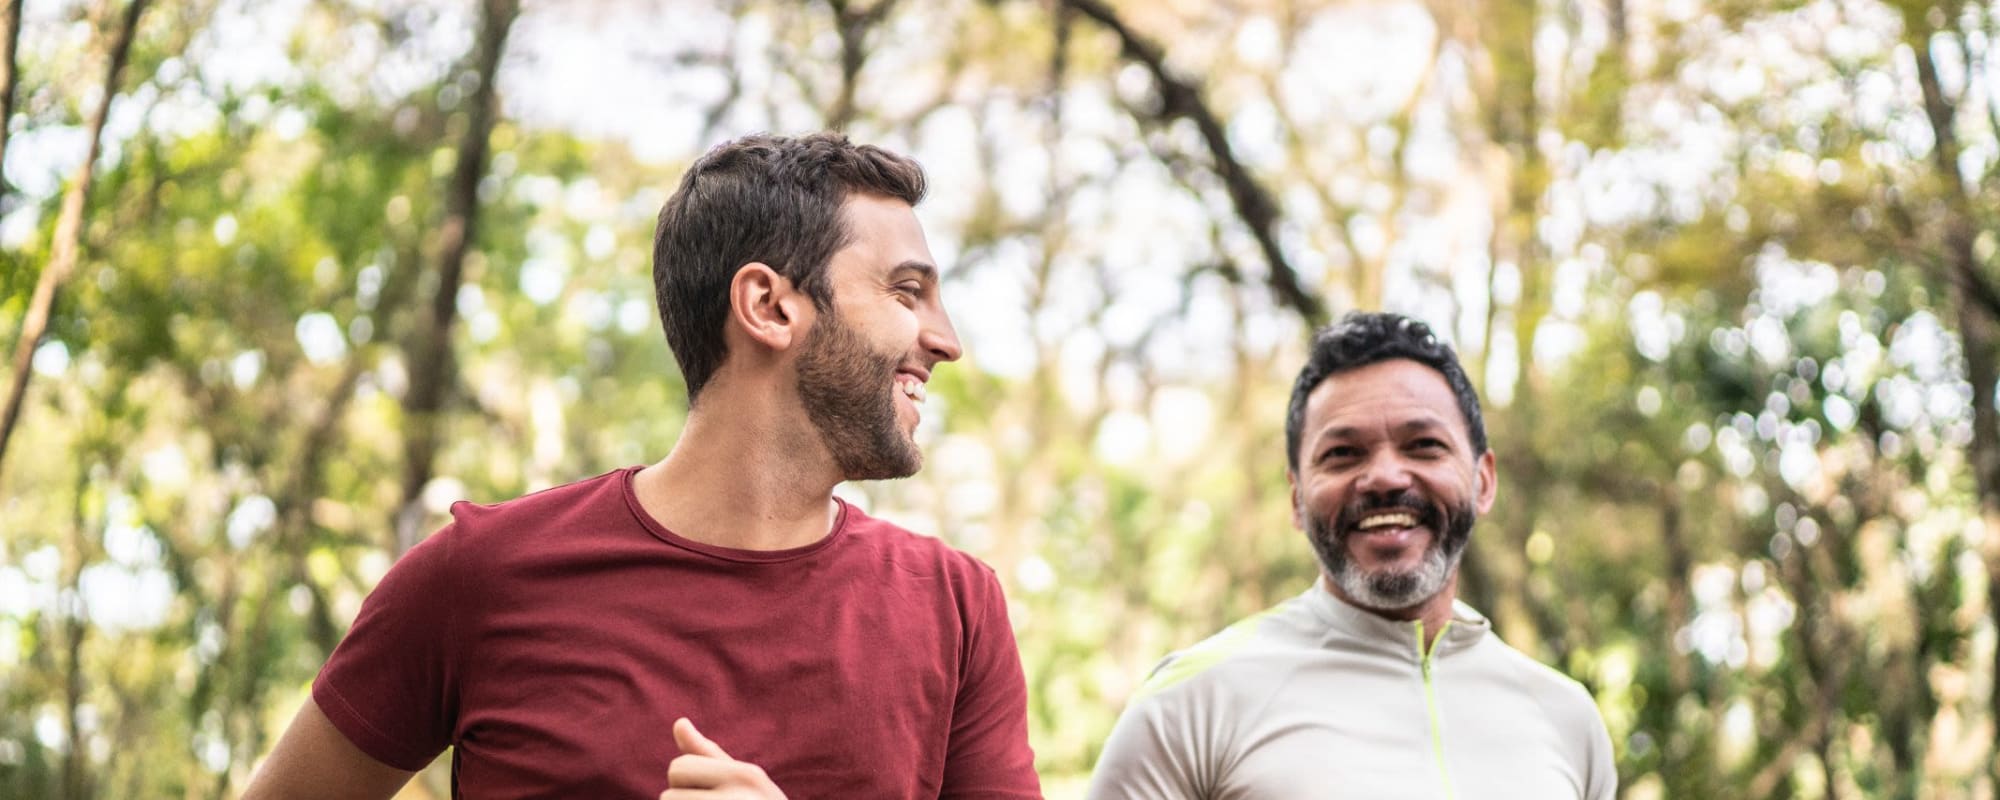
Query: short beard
(1389,589)
(845,388)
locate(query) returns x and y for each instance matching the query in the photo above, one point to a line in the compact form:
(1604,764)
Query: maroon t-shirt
(553,640)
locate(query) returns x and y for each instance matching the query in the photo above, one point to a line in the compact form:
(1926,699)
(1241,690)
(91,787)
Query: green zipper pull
(1423,649)
(1424,653)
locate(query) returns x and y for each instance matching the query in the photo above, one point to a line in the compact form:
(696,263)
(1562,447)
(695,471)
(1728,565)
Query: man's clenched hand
(704,771)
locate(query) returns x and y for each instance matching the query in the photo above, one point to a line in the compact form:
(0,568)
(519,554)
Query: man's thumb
(693,743)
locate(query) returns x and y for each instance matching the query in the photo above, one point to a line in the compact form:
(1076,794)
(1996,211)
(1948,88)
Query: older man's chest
(1387,735)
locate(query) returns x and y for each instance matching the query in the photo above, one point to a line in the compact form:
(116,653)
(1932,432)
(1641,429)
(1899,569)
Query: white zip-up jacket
(1315,698)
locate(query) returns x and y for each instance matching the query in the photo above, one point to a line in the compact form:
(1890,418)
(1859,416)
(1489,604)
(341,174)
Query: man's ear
(1488,479)
(1292,483)
(767,307)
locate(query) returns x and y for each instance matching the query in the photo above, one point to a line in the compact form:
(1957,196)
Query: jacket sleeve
(1602,783)
(1163,748)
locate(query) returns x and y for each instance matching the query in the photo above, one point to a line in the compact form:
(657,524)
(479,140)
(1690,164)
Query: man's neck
(743,482)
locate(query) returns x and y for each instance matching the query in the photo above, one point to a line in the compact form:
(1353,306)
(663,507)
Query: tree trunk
(853,25)
(1971,292)
(71,616)
(68,237)
(1821,641)
(1680,596)
(430,360)
(10,76)
(1510,120)
(1980,336)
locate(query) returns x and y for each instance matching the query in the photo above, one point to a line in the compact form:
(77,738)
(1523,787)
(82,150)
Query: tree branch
(10,77)
(430,357)
(853,25)
(1180,99)
(68,237)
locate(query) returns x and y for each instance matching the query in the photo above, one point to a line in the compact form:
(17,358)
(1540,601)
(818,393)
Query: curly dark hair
(1362,338)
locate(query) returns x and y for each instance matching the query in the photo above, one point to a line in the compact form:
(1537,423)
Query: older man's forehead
(1420,421)
(1413,391)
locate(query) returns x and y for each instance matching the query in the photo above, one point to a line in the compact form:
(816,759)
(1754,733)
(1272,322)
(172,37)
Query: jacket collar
(1349,621)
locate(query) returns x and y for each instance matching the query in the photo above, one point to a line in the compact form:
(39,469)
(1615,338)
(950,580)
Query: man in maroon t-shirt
(566,643)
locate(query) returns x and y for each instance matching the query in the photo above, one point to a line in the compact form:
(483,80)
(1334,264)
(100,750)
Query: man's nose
(1384,474)
(938,337)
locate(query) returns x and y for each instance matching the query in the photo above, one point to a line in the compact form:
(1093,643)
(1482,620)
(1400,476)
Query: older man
(1376,682)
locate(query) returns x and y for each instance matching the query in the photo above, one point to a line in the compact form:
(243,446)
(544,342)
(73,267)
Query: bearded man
(1376,682)
(555,639)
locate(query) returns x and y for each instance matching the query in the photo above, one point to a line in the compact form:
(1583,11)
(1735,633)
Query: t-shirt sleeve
(1155,751)
(988,755)
(389,685)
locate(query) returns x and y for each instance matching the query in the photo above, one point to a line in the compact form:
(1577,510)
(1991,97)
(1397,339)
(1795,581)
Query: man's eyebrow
(1418,425)
(924,269)
(1341,432)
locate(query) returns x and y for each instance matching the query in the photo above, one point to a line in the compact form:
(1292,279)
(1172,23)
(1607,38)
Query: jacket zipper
(1431,704)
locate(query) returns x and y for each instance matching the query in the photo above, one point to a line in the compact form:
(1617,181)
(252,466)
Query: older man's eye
(1338,452)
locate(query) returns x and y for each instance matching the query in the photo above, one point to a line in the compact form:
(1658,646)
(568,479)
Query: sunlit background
(1725,271)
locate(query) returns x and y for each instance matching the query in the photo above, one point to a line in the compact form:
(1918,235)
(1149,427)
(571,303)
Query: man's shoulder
(911,551)
(1251,656)
(1557,693)
(559,507)
(563,496)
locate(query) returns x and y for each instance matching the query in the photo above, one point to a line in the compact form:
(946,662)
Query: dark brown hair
(762,198)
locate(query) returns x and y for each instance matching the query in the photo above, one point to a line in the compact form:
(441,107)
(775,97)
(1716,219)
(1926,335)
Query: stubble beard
(845,388)
(1390,589)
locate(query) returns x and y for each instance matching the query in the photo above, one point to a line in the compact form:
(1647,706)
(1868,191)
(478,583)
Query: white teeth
(913,389)
(1398,519)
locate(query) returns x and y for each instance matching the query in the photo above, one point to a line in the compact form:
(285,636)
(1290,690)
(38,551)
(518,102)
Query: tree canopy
(281,280)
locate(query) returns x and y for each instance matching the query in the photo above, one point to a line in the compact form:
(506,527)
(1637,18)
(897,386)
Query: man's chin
(911,460)
(886,467)
(1383,591)
(1386,589)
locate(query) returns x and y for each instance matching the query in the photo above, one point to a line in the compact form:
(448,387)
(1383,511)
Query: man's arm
(315,760)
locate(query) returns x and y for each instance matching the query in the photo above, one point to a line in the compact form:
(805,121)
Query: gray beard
(1390,589)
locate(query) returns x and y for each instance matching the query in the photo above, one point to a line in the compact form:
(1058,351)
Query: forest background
(282,278)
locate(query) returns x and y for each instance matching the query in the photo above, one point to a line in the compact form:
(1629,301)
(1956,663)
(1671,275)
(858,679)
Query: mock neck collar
(1467,625)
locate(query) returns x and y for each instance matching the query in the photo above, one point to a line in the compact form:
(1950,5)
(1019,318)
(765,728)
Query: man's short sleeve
(390,685)
(988,754)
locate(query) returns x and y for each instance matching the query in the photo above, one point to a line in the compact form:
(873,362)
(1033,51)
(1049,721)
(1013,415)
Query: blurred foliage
(1718,267)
